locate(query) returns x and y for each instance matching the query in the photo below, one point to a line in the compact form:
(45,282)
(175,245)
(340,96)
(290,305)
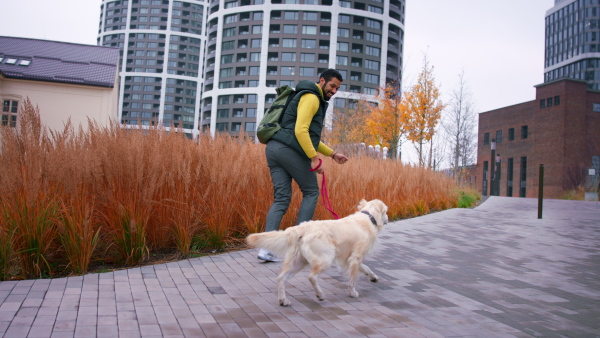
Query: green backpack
(271,121)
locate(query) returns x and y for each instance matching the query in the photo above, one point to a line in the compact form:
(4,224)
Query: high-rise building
(214,65)
(573,42)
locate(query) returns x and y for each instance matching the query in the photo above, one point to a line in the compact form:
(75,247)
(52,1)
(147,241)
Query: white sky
(498,44)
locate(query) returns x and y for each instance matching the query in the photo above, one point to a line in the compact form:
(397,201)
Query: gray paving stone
(493,271)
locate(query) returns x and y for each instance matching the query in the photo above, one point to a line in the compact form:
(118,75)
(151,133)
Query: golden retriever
(320,244)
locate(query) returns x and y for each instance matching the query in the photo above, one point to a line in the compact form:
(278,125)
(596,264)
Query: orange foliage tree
(386,121)
(348,124)
(423,111)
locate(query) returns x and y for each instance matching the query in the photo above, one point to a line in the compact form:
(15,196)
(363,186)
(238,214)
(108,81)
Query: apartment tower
(214,65)
(573,42)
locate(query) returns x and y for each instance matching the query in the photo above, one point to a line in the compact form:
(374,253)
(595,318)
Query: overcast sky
(498,44)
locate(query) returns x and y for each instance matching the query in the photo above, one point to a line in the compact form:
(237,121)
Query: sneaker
(267,256)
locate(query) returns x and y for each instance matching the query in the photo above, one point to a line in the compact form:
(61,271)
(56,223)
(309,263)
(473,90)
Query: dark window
(524,132)
(556,100)
(542,103)
(485,178)
(486,138)
(509,178)
(523,176)
(511,134)
(498,136)
(549,102)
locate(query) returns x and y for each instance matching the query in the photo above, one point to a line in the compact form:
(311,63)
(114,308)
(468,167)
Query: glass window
(373,37)
(309,43)
(343,32)
(227,58)
(374,51)
(254,70)
(226,72)
(289,57)
(255,56)
(524,132)
(370,64)
(344,18)
(307,57)
(498,136)
(307,71)
(231,18)
(223,113)
(256,16)
(224,99)
(222,126)
(250,112)
(486,138)
(290,29)
(288,70)
(310,16)
(373,24)
(342,46)
(341,60)
(256,43)
(257,29)
(310,30)
(250,126)
(290,15)
(289,43)
(251,98)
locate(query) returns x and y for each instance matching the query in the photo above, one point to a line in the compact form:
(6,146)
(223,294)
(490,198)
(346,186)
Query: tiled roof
(59,61)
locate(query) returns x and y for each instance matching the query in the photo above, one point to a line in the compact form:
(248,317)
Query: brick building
(560,129)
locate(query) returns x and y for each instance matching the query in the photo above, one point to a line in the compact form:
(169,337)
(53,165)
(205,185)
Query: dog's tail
(277,242)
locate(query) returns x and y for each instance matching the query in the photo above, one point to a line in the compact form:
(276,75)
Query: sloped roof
(56,61)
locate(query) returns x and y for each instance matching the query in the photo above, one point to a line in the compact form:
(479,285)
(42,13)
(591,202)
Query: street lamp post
(497,175)
(492,167)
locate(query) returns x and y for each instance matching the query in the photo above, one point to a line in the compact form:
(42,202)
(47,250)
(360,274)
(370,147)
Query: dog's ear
(361,204)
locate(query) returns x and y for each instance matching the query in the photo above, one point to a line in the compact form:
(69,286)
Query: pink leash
(325,193)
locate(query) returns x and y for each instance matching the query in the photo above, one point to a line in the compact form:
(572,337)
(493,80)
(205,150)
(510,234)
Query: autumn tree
(347,124)
(386,120)
(460,125)
(422,108)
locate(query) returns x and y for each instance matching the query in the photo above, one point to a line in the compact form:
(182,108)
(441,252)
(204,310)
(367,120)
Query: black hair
(327,74)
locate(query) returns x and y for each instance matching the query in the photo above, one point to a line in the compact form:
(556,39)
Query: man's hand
(315,162)
(339,158)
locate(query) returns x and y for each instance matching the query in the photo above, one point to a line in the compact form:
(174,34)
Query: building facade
(573,42)
(66,81)
(560,130)
(214,65)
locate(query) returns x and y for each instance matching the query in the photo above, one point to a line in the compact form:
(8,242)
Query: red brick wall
(562,137)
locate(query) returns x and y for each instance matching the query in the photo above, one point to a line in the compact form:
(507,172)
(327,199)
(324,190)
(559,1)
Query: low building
(559,130)
(64,80)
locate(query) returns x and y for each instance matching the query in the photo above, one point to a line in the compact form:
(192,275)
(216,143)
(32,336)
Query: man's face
(330,87)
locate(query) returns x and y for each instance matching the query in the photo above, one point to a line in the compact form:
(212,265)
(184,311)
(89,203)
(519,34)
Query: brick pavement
(493,271)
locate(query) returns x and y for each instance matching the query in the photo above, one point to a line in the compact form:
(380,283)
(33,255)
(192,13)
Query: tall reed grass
(106,194)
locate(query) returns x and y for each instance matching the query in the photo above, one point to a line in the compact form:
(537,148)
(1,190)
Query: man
(292,151)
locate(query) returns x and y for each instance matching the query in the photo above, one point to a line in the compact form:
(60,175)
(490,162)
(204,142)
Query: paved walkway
(493,271)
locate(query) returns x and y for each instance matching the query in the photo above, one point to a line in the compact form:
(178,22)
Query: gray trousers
(286,164)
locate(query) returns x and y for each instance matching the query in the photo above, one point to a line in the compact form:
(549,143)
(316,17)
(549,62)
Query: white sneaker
(267,256)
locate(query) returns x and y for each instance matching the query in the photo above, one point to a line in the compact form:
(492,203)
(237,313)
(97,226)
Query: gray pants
(286,164)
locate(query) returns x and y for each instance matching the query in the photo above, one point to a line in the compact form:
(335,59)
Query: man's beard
(325,97)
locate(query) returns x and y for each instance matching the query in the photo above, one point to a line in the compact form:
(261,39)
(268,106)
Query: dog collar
(370,216)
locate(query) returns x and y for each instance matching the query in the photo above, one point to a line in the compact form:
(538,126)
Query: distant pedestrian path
(493,271)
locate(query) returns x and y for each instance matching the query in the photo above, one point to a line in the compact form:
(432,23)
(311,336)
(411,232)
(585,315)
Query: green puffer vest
(286,134)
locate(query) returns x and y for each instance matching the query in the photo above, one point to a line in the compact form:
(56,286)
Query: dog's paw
(320,297)
(353,293)
(284,302)
(374,279)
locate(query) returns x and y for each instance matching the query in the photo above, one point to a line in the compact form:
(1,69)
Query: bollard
(541,191)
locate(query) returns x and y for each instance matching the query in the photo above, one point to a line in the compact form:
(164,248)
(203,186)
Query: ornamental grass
(78,198)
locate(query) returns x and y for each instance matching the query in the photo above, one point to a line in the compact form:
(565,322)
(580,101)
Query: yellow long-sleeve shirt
(307,108)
